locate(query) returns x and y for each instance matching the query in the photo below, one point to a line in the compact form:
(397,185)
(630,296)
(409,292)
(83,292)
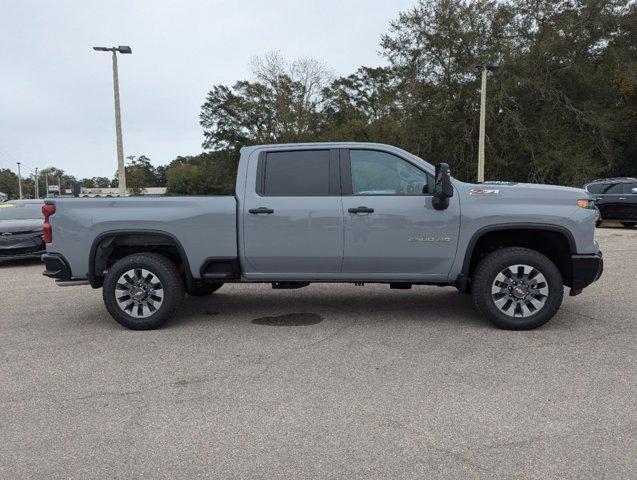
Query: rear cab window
(303,173)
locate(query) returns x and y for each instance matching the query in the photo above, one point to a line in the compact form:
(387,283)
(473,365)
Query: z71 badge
(484,191)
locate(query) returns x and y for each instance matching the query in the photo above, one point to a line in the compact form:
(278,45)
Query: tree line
(561,107)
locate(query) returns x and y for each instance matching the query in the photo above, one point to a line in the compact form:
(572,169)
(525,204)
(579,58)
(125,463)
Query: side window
(297,173)
(594,188)
(380,173)
(612,189)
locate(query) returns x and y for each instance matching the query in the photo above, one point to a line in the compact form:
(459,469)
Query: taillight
(47,211)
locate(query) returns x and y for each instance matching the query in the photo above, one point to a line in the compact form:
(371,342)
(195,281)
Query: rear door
(392,230)
(629,202)
(609,200)
(293,216)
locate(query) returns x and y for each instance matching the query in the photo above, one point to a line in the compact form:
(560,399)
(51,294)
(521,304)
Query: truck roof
(614,180)
(320,144)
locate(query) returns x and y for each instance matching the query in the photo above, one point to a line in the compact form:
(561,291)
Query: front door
(392,230)
(610,199)
(293,218)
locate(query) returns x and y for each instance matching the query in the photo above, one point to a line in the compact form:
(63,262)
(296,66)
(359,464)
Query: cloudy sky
(56,99)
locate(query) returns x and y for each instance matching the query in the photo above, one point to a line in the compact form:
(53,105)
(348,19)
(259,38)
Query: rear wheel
(143,291)
(629,224)
(517,288)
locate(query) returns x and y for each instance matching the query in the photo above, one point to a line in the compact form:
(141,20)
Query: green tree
(556,112)
(210,173)
(9,183)
(281,104)
(87,182)
(140,173)
(55,176)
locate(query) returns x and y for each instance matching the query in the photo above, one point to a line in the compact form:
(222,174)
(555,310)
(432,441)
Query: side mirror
(443,190)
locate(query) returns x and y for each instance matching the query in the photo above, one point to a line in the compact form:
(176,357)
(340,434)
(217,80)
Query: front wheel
(143,291)
(517,288)
(629,224)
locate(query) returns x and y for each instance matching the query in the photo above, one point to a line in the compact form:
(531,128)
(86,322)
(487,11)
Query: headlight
(586,203)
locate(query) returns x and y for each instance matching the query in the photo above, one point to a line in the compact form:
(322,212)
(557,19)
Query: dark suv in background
(616,199)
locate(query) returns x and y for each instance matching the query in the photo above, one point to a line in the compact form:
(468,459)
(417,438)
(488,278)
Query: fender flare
(463,278)
(112,234)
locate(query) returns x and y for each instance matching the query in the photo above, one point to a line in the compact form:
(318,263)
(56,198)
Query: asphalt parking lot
(329,381)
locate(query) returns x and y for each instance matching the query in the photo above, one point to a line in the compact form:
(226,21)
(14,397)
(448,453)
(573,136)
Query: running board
(289,285)
(71,283)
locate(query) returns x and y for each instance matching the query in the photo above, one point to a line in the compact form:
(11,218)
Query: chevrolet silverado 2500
(331,212)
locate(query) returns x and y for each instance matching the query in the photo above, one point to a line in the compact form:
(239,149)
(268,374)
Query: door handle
(256,211)
(360,210)
(622,198)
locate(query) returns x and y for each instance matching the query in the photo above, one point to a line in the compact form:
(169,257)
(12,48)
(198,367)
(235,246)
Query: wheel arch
(136,241)
(554,241)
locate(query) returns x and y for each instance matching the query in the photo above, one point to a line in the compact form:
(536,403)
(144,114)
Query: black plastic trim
(289,285)
(260,186)
(56,266)
(116,233)
(462,279)
(586,270)
(346,171)
(229,268)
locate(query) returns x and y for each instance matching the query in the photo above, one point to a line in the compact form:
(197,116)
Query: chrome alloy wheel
(519,290)
(139,293)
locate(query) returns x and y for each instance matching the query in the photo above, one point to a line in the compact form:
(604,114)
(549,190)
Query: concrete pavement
(329,381)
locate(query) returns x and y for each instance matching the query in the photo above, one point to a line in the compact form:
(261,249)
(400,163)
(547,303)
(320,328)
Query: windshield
(20,211)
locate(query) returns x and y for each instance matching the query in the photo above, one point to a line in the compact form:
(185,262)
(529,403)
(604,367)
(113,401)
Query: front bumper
(586,270)
(21,245)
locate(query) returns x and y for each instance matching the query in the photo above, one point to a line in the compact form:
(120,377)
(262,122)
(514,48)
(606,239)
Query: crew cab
(331,212)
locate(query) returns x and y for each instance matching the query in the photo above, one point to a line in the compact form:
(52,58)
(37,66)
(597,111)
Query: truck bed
(204,226)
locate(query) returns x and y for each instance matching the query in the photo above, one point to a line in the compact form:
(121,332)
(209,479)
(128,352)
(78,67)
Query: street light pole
(19,181)
(121,171)
(37,184)
(483,114)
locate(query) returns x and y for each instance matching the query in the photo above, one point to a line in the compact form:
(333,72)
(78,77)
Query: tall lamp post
(121,172)
(483,108)
(19,181)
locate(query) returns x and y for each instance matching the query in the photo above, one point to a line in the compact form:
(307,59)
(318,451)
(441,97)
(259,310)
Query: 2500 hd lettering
(331,212)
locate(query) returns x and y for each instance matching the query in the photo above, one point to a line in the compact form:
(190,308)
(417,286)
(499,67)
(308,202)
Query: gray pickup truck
(331,212)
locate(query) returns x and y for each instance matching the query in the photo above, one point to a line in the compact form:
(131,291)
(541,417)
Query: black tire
(164,270)
(598,223)
(485,276)
(629,224)
(204,289)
